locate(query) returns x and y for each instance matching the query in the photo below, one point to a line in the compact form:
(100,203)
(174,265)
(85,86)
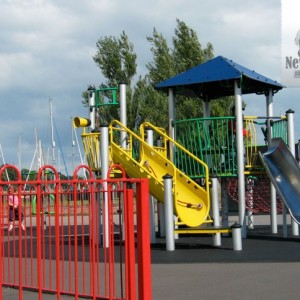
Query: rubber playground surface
(268,267)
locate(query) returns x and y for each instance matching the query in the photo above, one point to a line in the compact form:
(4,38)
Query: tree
(117,61)
(151,105)
(186,53)
(163,65)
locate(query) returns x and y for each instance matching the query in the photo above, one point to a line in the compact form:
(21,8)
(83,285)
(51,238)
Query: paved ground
(268,267)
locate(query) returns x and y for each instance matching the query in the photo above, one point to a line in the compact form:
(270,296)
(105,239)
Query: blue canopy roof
(215,78)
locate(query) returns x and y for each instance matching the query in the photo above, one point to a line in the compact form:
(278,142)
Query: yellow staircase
(191,201)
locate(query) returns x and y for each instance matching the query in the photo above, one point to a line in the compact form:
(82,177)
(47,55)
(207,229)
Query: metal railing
(210,139)
(91,146)
(213,141)
(279,129)
(183,158)
(95,244)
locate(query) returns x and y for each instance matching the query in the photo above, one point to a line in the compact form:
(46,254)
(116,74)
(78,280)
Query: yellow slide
(191,201)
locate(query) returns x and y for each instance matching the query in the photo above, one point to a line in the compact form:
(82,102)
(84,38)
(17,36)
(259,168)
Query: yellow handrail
(192,202)
(167,138)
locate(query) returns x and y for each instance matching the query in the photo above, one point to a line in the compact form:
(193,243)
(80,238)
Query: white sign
(290,43)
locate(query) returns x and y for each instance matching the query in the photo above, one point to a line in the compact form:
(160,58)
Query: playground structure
(202,147)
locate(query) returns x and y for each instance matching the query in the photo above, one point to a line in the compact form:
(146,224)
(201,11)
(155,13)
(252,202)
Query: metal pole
(4,163)
(149,139)
(240,156)
(172,134)
(215,209)
(161,209)
(206,109)
(123,119)
(169,215)
(162,221)
(269,99)
(20,153)
(224,197)
(298,151)
(172,118)
(291,144)
(237,236)
(206,114)
(73,146)
(123,114)
(250,185)
(92,107)
(104,169)
(52,133)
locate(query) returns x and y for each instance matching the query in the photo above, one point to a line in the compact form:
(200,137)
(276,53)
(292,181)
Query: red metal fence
(84,237)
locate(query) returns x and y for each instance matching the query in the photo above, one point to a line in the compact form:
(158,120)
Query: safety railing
(213,141)
(250,142)
(91,146)
(188,161)
(279,129)
(210,139)
(95,244)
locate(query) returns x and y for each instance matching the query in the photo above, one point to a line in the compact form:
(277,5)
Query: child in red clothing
(232,126)
(14,214)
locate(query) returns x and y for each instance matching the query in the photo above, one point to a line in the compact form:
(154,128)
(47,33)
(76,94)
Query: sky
(47,49)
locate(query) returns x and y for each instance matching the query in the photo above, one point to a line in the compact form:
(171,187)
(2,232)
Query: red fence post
(57,244)
(143,240)
(129,246)
(1,243)
(20,247)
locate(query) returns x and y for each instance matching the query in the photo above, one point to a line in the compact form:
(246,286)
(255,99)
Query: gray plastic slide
(284,172)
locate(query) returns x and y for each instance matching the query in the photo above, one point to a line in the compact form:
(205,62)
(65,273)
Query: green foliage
(116,59)
(9,174)
(187,51)
(222,106)
(150,105)
(163,66)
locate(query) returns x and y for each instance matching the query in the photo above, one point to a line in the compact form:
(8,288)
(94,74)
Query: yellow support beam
(204,230)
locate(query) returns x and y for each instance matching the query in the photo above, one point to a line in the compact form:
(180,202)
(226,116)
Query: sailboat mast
(52,133)
(20,152)
(38,144)
(3,161)
(73,145)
